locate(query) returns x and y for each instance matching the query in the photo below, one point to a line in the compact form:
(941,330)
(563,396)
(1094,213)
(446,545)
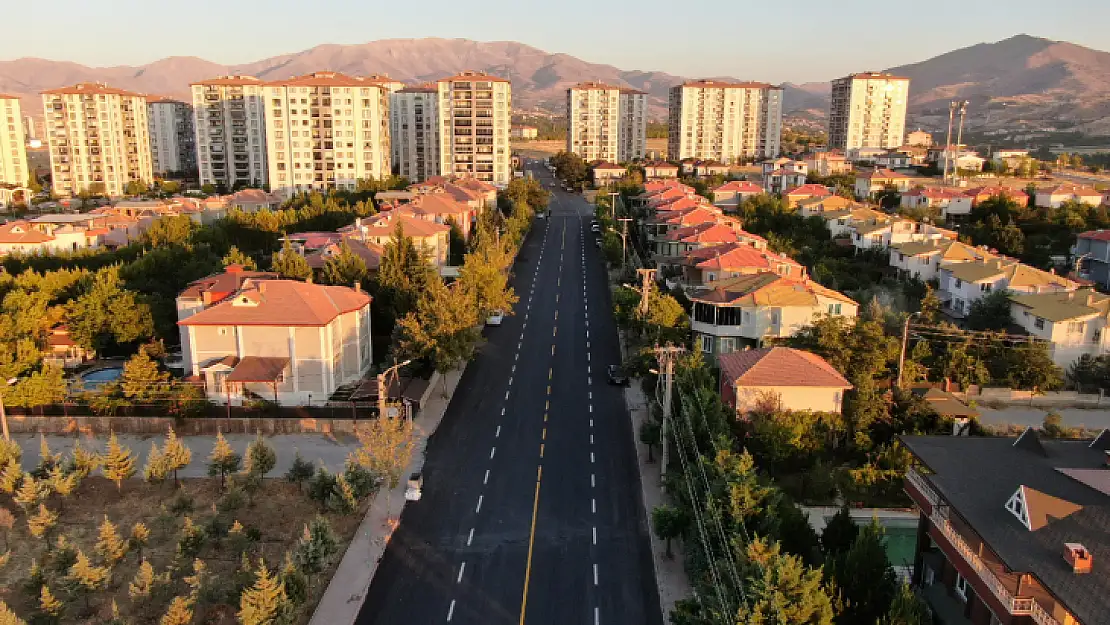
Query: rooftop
(91,88)
(779,366)
(281,303)
(767,289)
(473,75)
(1063,306)
(230,81)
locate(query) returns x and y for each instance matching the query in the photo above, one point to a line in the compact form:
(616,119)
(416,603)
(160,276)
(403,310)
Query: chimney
(1078,558)
(358,287)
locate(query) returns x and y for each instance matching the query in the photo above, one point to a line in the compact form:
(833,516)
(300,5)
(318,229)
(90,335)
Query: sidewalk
(343,598)
(670,576)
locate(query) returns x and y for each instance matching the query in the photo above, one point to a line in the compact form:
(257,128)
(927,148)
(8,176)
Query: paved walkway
(347,588)
(670,575)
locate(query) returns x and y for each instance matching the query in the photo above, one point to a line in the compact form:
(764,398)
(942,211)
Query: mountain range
(1024,80)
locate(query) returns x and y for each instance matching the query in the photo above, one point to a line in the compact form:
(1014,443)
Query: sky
(797,41)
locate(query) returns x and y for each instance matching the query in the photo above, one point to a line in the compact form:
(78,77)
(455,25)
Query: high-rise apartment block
(326,130)
(474,110)
(719,121)
(868,110)
(13,152)
(414,125)
(593,115)
(230,120)
(172,136)
(99,138)
(632,126)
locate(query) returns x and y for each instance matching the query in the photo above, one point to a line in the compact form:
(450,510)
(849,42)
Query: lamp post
(3,415)
(382,391)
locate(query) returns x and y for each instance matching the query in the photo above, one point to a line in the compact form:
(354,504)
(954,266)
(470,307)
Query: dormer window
(1016,506)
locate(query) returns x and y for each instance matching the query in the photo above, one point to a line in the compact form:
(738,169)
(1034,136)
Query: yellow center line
(545,434)
(531,542)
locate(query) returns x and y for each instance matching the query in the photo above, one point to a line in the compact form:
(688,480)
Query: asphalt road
(531,510)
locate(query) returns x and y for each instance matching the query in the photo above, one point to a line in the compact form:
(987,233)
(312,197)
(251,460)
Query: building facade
(474,131)
(720,121)
(593,117)
(868,110)
(230,124)
(414,124)
(172,135)
(326,130)
(632,126)
(99,138)
(13,149)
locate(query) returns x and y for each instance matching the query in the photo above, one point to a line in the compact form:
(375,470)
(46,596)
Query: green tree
(136,187)
(669,523)
(117,462)
(300,471)
(484,279)
(864,577)
(223,460)
(140,536)
(840,533)
(990,312)
(456,243)
(264,602)
(907,609)
(108,315)
(345,268)
(142,380)
(782,590)
(260,458)
(177,455)
(42,388)
(87,578)
(404,274)
(385,449)
(442,329)
(236,257)
(289,264)
(170,187)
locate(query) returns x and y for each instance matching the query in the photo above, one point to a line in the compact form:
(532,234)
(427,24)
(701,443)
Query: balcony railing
(1019,606)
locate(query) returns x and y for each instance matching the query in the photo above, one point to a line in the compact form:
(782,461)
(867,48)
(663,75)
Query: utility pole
(959,139)
(647,276)
(666,357)
(902,353)
(624,239)
(948,139)
(613,195)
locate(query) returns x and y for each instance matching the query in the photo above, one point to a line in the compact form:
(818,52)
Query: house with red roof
(780,378)
(682,240)
(981,194)
(873,180)
(729,260)
(1053,197)
(660,170)
(804,192)
(604,173)
(934,197)
(730,194)
(290,342)
(781,180)
(427,235)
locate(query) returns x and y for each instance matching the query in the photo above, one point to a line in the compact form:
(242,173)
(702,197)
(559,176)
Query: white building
(475,110)
(962,284)
(99,138)
(593,115)
(13,150)
(713,120)
(868,110)
(632,126)
(230,119)
(326,130)
(172,136)
(414,124)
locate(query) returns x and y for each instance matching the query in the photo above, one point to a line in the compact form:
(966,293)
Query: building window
(834,309)
(1076,327)
(961,586)
(959,283)
(1038,323)
(221,331)
(706,344)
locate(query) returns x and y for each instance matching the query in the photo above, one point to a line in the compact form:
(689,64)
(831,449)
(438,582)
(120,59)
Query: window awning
(258,369)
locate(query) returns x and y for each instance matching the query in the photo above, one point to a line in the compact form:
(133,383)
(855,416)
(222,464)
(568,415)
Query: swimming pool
(901,540)
(95,378)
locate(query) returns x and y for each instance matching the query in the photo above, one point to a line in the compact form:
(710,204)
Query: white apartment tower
(414,126)
(474,110)
(99,138)
(13,151)
(719,121)
(593,115)
(868,110)
(172,136)
(632,126)
(326,130)
(229,116)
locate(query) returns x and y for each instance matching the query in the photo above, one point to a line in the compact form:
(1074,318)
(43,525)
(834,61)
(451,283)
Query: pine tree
(117,463)
(140,536)
(343,269)
(47,459)
(142,380)
(343,497)
(840,532)
(176,453)
(864,576)
(63,483)
(223,459)
(289,264)
(781,590)
(12,477)
(83,461)
(49,605)
(86,577)
(907,609)
(157,467)
(180,612)
(300,471)
(9,451)
(260,458)
(198,581)
(191,541)
(40,524)
(236,257)
(7,617)
(265,601)
(31,492)
(296,583)
(5,558)
(7,522)
(109,545)
(143,582)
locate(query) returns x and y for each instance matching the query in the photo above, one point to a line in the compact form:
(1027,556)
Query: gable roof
(20,232)
(779,366)
(281,303)
(767,289)
(739,255)
(809,190)
(739,186)
(1063,306)
(1071,189)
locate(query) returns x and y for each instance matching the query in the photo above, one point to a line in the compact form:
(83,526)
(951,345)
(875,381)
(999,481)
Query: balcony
(938,516)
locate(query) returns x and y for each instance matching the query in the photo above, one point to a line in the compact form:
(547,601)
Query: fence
(1048,399)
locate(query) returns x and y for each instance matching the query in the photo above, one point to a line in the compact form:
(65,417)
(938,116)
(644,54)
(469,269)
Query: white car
(595,227)
(495,318)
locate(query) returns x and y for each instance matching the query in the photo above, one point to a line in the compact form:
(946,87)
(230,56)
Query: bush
(182,504)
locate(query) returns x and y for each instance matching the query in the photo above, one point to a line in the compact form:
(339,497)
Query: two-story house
(604,173)
(741,312)
(290,342)
(729,195)
(871,181)
(805,192)
(1053,197)
(660,170)
(822,205)
(881,234)
(1074,322)
(932,197)
(729,260)
(782,180)
(676,243)
(962,284)
(430,236)
(827,163)
(923,259)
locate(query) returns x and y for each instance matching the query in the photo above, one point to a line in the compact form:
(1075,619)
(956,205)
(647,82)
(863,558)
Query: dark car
(617,375)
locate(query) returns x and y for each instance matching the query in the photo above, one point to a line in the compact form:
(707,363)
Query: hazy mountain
(1021,78)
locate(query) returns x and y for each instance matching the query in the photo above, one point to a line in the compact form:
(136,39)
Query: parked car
(495,318)
(617,375)
(415,489)
(597,242)
(595,227)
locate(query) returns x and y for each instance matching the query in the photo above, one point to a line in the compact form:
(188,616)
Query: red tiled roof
(473,75)
(1095,235)
(386,221)
(810,190)
(591,85)
(325,79)
(230,81)
(704,233)
(779,366)
(744,256)
(1072,189)
(708,83)
(91,88)
(16,232)
(739,186)
(281,303)
(370,253)
(934,193)
(222,284)
(879,172)
(428,87)
(5,96)
(609,166)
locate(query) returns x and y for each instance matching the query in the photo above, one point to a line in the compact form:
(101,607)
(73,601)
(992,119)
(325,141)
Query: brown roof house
(290,342)
(780,378)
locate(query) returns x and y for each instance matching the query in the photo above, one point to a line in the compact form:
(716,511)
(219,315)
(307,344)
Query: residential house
(981,194)
(881,234)
(62,351)
(828,204)
(57,233)
(664,222)
(919,138)
(865,155)
(842,223)
(729,260)
(660,170)
(1053,197)
(922,260)
(780,378)
(804,192)
(370,253)
(1012,158)
(211,290)
(784,164)
(963,284)
(704,169)
(523,132)
(730,194)
(782,180)
(934,197)
(917,155)
(604,173)
(428,235)
(1092,250)
(828,164)
(891,160)
(253,200)
(290,342)
(870,182)
(1011,530)
(969,161)
(744,311)
(1074,322)
(441,208)
(677,242)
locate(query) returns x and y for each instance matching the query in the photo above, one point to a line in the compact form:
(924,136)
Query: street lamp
(3,416)
(382,392)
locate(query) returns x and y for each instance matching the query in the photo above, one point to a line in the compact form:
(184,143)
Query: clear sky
(798,41)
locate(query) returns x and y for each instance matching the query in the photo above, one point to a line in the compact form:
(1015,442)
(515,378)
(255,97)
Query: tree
(840,533)
(135,187)
(907,609)
(42,388)
(289,264)
(296,582)
(650,435)
(157,468)
(83,462)
(781,590)
(142,380)
(864,576)
(117,463)
(669,523)
(223,460)
(260,458)
(108,315)
(179,612)
(49,605)
(990,312)
(63,483)
(442,329)
(192,539)
(143,582)
(87,578)
(405,272)
(317,544)
(177,455)
(7,617)
(41,523)
(7,522)
(11,479)
(385,448)
(484,279)
(140,536)
(265,601)
(169,187)
(300,471)
(109,545)
(31,492)
(958,364)
(345,268)
(1028,366)
(456,244)
(236,257)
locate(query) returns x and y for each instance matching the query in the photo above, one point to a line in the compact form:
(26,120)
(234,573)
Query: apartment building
(1011,530)
(326,130)
(474,110)
(713,120)
(13,150)
(99,138)
(606,122)
(230,122)
(868,110)
(414,126)
(172,135)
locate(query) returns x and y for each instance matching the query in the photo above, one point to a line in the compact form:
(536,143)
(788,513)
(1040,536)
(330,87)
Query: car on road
(541,215)
(595,227)
(617,375)
(415,488)
(597,242)
(495,318)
